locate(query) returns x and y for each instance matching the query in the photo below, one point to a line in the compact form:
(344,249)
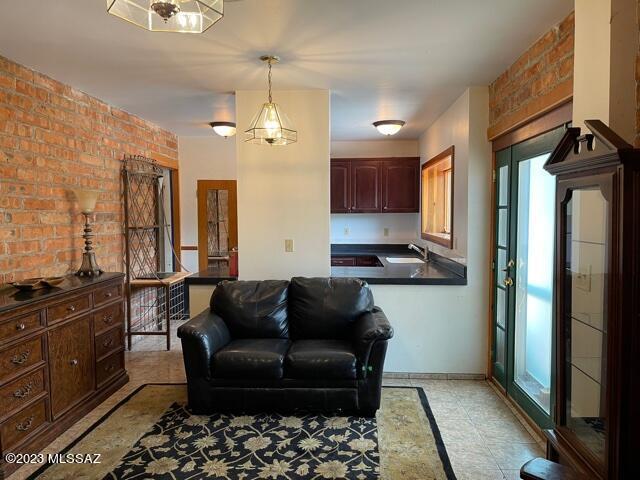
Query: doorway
(217,224)
(522,324)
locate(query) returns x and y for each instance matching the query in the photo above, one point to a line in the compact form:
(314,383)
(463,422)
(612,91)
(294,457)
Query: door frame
(545,122)
(203,187)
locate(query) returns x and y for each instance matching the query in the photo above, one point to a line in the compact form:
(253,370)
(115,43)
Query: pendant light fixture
(388,127)
(184,16)
(224,129)
(271,126)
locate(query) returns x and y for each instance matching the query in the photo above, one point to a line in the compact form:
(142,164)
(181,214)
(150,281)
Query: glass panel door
(523,269)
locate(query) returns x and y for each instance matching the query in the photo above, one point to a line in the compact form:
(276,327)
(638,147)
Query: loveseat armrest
(202,337)
(370,328)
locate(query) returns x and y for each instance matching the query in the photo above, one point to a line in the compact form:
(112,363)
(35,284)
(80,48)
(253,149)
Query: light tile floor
(485,438)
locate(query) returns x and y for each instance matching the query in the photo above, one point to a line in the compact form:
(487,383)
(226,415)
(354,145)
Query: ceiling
(402,59)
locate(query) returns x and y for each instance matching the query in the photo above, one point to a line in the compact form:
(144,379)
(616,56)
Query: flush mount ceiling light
(184,16)
(271,126)
(389,127)
(224,129)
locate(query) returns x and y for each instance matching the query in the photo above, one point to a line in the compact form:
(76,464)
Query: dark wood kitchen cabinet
(375,185)
(340,188)
(400,185)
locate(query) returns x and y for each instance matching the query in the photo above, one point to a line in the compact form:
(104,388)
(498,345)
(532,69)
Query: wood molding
(175,216)
(189,247)
(561,94)
(165,161)
(542,124)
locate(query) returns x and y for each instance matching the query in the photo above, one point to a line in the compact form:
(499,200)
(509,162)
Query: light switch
(346,231)
(288,245)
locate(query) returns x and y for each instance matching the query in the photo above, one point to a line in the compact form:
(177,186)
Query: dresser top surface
(11,297)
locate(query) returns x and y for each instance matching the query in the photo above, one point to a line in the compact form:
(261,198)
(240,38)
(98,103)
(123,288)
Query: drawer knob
(20,326)
(26,425)
(71,308)
(19,359)
(24,391)
(107,343)
(108,319)
(74,362)
(109,368)
(108,294)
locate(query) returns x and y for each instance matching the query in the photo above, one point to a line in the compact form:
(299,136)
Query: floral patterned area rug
(152,435)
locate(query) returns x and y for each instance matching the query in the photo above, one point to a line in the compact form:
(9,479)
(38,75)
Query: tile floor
(485,438)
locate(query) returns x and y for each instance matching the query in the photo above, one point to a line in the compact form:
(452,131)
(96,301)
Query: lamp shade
(224,129)
(271,126)
(388,127)
(184,16)
(86,199)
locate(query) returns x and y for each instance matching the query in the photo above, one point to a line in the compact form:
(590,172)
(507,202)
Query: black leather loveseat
(311,344)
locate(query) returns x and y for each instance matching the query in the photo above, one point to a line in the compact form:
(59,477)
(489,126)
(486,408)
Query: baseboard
(432,376)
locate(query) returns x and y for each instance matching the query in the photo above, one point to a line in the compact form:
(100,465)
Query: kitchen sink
(403,260)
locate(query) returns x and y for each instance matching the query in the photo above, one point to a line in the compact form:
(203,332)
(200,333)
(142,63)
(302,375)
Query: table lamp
(87,202)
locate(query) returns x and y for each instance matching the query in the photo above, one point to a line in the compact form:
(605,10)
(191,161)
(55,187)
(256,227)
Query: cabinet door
(400,185)
(340,198)
(71,364)
(365,186)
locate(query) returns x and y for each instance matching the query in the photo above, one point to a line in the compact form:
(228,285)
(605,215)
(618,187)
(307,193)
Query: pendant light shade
(224,129)
(271,126)
(184,16)
(388,127)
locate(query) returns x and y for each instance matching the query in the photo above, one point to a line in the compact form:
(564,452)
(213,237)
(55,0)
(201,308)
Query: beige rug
(130,440)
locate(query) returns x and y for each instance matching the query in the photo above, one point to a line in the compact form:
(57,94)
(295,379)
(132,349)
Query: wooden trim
(203,186)
(560,95)
(449,152)
(538,126)
(164,161)
(189,247)
(175,216)
(502,394)
(492,275)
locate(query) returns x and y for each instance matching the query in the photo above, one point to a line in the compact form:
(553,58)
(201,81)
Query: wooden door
(71,364)
(217,223)
(400,185)
(340,191)
(365,186)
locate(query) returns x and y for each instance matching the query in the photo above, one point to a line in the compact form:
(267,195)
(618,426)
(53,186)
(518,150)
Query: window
(437,198)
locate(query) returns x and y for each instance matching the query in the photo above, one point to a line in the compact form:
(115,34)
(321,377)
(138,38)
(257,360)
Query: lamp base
(89,267)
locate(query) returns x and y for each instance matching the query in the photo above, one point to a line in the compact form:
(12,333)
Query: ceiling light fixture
(184,16)
(271,126)
(224,129)
(389,127)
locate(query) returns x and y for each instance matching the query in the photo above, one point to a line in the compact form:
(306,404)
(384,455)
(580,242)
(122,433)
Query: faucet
(422,251)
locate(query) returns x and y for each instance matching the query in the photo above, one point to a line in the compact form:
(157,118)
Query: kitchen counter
(438,271)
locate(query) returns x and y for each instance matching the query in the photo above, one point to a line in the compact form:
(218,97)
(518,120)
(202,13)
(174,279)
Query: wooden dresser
(61,354)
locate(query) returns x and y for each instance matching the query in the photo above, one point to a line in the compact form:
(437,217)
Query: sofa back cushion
(253,309)
(326,307)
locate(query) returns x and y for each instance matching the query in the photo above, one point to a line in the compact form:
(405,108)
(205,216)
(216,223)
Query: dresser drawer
(110,366)
(22,424)
(20,326)
(20,357)
(108,317)
(67,309)
(19,392)
(107,294)
(109,341)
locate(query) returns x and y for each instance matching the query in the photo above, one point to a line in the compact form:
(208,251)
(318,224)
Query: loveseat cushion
(251,358)
(321,359)
(326,307)
(253,309)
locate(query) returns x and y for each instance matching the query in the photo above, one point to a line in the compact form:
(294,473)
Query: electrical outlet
(346,231)
(288,245)
(386,232)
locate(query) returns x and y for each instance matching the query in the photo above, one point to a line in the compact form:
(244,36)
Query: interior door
(217,224)
(523,267)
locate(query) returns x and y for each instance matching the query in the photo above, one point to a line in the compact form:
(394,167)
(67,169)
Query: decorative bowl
(29,284)
(52,281)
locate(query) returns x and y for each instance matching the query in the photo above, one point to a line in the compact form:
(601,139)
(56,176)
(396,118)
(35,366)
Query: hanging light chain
(270,82)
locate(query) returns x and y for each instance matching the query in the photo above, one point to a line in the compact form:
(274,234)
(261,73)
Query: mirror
(436,212)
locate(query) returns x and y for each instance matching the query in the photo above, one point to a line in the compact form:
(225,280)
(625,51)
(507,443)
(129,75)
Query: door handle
(508,282)
(510,265)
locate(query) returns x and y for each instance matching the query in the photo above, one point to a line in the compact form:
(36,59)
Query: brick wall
(54,138)
(540,78)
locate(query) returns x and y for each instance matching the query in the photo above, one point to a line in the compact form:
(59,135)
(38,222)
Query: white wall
(369,228)
(201,158)
(443,329)
(283,192)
